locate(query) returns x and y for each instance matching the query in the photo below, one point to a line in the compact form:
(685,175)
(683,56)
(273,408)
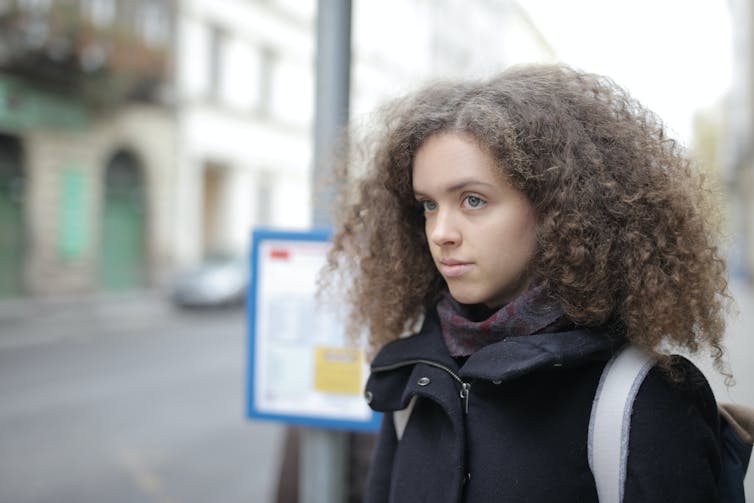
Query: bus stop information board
(300,368)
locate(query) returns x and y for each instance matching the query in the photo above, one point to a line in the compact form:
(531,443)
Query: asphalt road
(122,399)
(126,400)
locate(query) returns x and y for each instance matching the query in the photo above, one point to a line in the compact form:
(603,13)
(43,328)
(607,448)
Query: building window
(5,6)
(216,43)
(100,12)
(267,62)
(37,6)
(264,190)
(152,24)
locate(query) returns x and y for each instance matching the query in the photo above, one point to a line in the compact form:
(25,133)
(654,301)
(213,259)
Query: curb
(151,302)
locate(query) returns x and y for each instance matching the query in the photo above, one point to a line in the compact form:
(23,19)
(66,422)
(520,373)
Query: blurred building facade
(137,137)
(738,150)
(400,45)
(85,138)
(244,110)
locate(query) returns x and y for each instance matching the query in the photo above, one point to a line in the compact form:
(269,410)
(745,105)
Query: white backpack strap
(401,417)
(610,421)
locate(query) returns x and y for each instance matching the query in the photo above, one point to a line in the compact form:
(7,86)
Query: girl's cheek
(528,224)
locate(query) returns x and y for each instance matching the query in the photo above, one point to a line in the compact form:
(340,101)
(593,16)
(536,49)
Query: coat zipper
(465,386)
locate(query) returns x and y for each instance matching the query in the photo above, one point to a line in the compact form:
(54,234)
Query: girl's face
(481,231)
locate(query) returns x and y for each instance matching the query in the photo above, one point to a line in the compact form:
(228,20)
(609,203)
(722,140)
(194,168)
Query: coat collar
(427,344)
(510,358)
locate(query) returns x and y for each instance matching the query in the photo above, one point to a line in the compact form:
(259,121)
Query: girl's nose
(443,230)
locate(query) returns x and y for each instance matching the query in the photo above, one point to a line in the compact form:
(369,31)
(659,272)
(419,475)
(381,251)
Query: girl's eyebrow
(463,184)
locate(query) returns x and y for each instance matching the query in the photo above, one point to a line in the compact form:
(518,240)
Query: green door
(123,247)
(12,237)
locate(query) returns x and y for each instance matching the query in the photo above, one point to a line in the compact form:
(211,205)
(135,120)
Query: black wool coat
(511,424)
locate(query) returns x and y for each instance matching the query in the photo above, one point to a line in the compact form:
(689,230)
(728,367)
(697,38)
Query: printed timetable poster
(300,368)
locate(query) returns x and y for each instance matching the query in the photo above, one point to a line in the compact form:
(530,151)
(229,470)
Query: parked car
(218,281)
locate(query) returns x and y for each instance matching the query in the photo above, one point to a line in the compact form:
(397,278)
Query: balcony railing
(99,51)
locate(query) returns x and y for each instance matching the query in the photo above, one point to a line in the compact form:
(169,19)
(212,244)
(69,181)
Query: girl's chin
(465,297)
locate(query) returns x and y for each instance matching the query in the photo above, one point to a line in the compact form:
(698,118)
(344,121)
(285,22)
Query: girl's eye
(428,205)
(473,202)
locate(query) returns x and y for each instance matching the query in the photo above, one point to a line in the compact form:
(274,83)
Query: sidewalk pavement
(143,301)
(33,320)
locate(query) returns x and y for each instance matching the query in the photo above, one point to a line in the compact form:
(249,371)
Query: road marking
(147,480)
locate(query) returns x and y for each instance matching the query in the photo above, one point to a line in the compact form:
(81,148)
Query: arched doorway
(12,235)
(123,246)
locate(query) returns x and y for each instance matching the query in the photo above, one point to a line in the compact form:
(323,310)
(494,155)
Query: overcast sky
(673,55)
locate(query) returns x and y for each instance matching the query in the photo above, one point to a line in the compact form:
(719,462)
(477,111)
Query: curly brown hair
(627,226)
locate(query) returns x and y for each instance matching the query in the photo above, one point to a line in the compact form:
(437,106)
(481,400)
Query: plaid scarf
(532,312)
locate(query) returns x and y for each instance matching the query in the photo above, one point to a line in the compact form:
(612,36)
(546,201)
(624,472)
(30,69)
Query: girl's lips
(454,269)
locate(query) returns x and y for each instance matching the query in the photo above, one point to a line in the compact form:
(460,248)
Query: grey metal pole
(333,95)
(324,453)
(323,466)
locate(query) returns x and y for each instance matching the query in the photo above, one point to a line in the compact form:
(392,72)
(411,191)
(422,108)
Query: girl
(521,229)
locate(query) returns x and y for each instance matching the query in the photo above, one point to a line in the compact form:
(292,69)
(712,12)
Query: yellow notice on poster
(338,370)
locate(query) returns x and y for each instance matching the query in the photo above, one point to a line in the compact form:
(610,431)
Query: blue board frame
(258,237)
